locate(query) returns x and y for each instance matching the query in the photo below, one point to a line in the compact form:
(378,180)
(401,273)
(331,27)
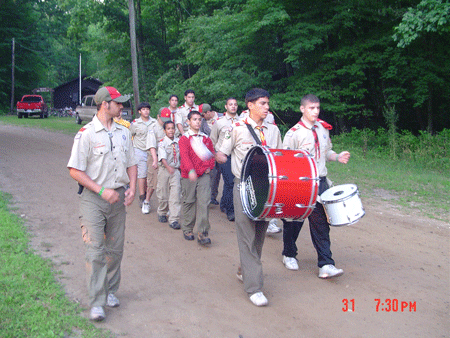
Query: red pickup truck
(32,105)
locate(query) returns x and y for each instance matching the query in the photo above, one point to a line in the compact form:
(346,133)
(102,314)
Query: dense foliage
(360,57)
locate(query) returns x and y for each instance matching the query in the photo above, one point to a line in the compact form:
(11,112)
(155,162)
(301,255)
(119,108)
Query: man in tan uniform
(250,234)
(144,142)
(218,132)
(102,161)
(183,111)
(312,135)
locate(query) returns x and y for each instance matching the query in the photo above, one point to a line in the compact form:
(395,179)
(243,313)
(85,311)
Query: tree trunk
(134,66)
(139,44)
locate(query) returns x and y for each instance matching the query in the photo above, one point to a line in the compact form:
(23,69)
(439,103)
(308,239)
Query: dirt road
(174,288)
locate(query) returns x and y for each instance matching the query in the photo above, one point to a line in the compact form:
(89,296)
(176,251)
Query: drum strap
(250,129)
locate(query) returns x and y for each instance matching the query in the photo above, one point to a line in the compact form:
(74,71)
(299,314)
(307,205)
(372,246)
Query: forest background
(374,64)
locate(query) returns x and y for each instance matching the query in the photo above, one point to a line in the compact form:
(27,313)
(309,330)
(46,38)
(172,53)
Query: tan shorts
(141,157)
(152,174)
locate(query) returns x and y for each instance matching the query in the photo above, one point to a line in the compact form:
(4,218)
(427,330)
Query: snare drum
(278,183)
(342,205)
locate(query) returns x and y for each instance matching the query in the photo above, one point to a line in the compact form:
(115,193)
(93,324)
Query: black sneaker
(214,201)
(189,236)
(162,219)
(175,225)
(203,238)
(230,216)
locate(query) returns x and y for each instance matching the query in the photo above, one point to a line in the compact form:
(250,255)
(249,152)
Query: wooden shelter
(66,95)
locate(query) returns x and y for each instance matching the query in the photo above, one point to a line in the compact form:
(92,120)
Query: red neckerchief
(316,139)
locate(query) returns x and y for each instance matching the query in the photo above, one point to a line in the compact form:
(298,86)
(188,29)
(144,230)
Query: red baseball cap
(110,94)
(165,114)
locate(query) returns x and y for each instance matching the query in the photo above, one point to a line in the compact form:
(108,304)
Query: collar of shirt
(175,140)
(151,120)
(251,122)
(307,124)
(190,132)
(194,106)
(99,126)
(231,117)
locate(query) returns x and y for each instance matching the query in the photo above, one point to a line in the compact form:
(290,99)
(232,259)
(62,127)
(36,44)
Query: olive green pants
(195,199)
(103,230)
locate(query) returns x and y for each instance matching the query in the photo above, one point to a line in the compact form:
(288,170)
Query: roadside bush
(430,151)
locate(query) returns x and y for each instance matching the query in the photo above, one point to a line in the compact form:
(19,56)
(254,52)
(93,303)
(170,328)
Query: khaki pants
(103,230)
(152,174)
(196,197)
(169,191)
(250,237)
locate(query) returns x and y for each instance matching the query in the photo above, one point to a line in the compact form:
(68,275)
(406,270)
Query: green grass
(66,125)
(32,302)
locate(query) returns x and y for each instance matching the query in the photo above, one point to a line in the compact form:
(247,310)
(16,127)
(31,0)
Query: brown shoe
(203,238)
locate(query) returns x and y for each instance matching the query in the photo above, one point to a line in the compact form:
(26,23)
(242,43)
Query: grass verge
(66,125)
(32,302)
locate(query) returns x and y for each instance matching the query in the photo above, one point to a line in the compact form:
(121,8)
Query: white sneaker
(259,299)
(97,313)
(145,207)
(273,228)
(112,301)
(329,270)
(290,263)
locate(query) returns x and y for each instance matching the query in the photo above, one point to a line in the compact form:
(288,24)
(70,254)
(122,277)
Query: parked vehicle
(32,105)
(88,109)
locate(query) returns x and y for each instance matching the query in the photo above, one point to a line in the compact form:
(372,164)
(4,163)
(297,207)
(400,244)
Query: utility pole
(79,84)
(12,75)
(134,66)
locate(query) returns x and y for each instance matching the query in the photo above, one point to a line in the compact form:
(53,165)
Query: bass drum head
(254,182)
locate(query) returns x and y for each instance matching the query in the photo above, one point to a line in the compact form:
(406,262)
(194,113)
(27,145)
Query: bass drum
(278,183)
(342,205)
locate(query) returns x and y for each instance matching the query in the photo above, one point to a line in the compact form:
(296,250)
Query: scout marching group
(182,154)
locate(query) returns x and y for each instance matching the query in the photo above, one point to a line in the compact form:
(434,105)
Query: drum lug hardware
(282,177)
(298,205)
(279,208)
(299,155)
(305,178)
(278,153)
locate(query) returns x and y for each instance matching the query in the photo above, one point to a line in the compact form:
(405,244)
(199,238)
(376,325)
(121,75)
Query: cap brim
(122,98)
(165,119)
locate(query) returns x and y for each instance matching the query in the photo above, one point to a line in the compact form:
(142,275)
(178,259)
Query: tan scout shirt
(299,137)
(212,121)
(143,134)
(238,141)
(269,118)
(104,156)
(181,116)
(159,132)
(219,129)
(166,151)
